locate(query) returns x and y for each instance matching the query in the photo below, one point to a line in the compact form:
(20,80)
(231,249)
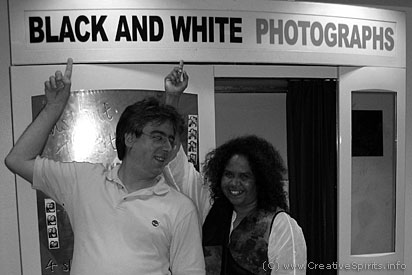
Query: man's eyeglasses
(161,139)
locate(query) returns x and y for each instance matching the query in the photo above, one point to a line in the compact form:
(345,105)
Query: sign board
(206,31)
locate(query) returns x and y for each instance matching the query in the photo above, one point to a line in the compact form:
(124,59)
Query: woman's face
(238,183)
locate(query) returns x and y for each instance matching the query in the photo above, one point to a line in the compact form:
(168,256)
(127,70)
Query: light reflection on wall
(85,135)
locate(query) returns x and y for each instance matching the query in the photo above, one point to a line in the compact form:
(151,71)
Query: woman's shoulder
(284,222)
(282,216)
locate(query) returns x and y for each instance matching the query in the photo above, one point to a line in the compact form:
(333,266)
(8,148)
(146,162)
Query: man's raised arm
(21,158)
(175,84)
(180,171)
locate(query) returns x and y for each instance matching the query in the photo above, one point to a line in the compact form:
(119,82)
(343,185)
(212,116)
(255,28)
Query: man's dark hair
(136,116)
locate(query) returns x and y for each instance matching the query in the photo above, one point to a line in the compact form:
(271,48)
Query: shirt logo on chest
(155,223)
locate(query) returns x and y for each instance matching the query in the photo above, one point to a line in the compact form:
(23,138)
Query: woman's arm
(287,247)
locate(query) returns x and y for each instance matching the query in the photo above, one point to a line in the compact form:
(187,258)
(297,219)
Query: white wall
(9,241)
(408,153)
(408,176)
(262,114)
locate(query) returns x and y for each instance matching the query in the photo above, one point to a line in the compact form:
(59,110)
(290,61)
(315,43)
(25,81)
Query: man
(125,219)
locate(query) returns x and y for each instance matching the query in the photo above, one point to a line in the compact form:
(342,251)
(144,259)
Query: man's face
(150,152)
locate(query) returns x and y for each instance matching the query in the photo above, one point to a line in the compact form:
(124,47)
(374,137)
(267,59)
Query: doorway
(286,112)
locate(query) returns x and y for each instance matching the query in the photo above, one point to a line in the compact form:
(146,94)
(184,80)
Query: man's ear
(129,139)
(175,149)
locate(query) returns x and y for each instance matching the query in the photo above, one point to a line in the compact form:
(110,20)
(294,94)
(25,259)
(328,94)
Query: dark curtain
(312,166)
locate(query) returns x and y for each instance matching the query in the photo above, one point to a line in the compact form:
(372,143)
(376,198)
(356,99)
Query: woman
(242,204)
(246,229)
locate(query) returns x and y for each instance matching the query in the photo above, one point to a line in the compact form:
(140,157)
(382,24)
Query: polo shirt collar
(159,189)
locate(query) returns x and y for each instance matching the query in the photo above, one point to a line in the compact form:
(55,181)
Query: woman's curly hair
(266,165)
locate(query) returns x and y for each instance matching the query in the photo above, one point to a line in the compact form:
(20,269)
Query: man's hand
(176,81)
(57,88)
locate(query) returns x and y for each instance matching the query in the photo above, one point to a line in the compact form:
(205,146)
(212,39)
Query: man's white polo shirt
(150,231)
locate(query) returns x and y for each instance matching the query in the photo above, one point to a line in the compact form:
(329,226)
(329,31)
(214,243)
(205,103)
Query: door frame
(369,79)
